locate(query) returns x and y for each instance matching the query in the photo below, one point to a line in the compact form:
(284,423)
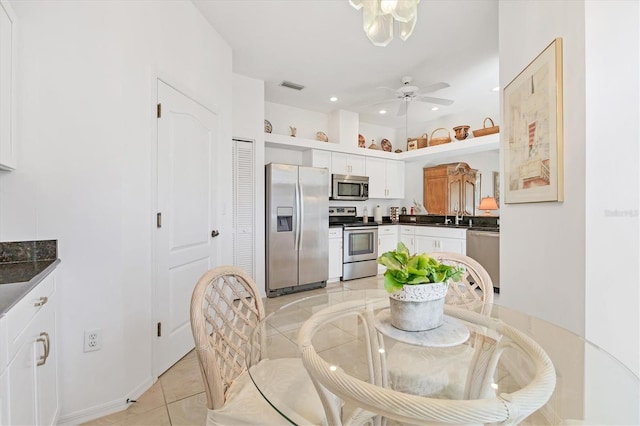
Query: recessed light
(495,89)
(383,111)
(333,99)
(435,109)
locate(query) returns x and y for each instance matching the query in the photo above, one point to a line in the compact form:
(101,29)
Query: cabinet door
(22,385)
(386,243)
(407,236)
(436,194)
(339,163)
(455,190)
(468,197)
(395,179)
(335,258)
(375,169)
(46,372)
(428,245)
(357,165)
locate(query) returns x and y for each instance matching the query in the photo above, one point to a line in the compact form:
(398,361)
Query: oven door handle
(362,228)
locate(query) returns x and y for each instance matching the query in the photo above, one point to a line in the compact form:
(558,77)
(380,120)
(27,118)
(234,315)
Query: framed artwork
(496,187)
(412,144)
(532,142)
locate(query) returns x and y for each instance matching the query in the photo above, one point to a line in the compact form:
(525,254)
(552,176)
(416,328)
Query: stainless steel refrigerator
(297,228)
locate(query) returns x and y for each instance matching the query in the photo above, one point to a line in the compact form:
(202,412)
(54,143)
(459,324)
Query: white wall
(542,244)
(307,123)
(613,181)
(86,100)
(557,266)
(248,113)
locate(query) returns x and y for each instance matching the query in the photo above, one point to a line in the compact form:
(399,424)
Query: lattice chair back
(225,308)
(475,290)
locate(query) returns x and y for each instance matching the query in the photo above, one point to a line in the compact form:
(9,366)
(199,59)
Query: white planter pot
(418,307)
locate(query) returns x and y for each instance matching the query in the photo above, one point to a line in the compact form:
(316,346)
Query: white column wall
(613,181)
(248,123)
(85,89)
(542,255)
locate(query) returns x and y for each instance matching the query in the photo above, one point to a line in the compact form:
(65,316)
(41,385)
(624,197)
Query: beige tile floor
(178,397)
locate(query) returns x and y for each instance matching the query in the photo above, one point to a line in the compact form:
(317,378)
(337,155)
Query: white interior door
(186,198)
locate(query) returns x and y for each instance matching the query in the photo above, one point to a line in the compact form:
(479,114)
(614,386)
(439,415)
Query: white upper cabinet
(7,45)
(386,178)
(347,164)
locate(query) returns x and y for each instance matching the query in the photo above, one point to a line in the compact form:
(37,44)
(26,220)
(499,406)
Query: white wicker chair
(507,408)
(225,308)
(447,372)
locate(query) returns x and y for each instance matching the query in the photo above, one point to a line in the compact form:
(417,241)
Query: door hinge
(159,220)
(159,329)
(159,113)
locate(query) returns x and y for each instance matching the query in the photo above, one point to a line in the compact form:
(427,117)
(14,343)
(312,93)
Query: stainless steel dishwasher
(484,246)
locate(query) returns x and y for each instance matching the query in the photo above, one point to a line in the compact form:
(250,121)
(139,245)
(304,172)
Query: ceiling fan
(407,93)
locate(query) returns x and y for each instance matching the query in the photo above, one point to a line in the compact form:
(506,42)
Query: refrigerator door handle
(300,215)
(298,202)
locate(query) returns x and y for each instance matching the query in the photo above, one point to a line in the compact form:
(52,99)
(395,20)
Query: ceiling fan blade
(402,109)
(434,87)
(431,100)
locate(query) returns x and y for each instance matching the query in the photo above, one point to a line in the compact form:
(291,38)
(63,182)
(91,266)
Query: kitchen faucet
(460,217)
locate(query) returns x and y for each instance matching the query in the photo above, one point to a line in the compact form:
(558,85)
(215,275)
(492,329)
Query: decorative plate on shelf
(322,137)
(386,145)
(267,126)
(361,141)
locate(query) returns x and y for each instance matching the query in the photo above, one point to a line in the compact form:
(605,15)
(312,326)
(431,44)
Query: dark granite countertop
(23,265)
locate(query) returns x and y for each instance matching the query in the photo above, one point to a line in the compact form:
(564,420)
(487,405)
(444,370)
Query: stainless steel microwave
(349,187)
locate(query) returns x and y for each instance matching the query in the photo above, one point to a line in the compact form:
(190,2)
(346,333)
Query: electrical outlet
(92,340)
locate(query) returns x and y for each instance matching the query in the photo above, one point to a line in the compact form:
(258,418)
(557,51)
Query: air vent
(291,85)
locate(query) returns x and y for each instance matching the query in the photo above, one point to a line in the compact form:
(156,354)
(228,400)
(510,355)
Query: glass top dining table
(591,387)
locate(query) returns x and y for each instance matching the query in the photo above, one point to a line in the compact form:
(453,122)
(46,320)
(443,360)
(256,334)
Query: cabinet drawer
(387,230)
(19,316)
(335,232)
(432,231)
(407,230)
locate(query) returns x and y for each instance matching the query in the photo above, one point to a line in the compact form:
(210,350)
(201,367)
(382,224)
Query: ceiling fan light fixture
(378,17)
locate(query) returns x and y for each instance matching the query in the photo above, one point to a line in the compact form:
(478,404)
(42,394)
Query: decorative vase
(418,307)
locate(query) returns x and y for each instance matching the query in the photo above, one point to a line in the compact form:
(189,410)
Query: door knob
(214,233)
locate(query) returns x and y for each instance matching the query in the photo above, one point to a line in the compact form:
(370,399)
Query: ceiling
(321,45)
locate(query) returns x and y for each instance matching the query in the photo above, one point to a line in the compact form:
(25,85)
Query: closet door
(243,206)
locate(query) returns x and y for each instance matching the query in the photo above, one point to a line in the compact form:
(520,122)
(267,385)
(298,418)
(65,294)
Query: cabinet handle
(44,338)
(41,301)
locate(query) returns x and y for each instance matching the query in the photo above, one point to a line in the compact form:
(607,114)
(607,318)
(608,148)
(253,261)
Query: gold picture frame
(412,144)
(533,131)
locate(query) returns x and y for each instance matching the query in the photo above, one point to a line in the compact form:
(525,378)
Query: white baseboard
(101,410)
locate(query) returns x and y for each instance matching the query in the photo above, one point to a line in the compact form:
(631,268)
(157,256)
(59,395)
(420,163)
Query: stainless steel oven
(349,187)
(360,251)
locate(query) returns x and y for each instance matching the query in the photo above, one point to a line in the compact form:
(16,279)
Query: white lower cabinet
(387,241)
(430,239)
(335,254)
(31,376)
(407,236)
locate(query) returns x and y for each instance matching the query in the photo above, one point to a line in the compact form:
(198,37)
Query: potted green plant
(417,285)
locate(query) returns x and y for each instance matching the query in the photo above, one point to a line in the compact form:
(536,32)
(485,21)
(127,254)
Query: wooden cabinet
(450,189)
(30,378)
(347,164)
(335,254)
(386,178)
(387,241)
(7,57)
